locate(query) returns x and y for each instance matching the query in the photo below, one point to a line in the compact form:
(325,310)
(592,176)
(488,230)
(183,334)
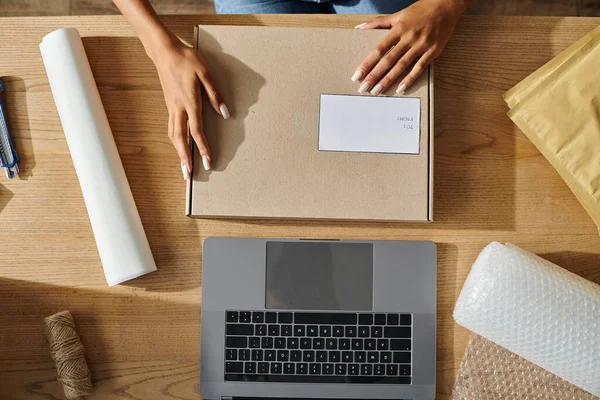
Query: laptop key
(263,367)
(366,369)
(330,344)
(258,317)
(376,331)
(292,343)
(266,342)
(283,355)
(289,368)
(340,369)
(318,343)
(379,369)
(245,316)
(363,331)
(296,355)
(312,330)
(370,344)
(347,356)
(353,369)
(338,331)
(385,357)
(373,357)
(285,318)
(250,368)
(287,330)
(257,355)
(244,355)
(270,355)
(401,357)
(271,318)
(365,319)
(299,330)
(357,344)
(309,356)
(234,367)
(236,342)
(396,332)
(276,368)
(325,331)
(393,380)
(232,316)
(231,354)
(280,343)
(321,356)
(344,344)
(364,379)
(404,369)
(273,330)
(382,344)
(400,344)
(254,342)
(302,368)
(260,330)
(391,369)
(327,369)
(334,356)
(392,319)
(350,331)
(239,329)
(305,343)
(315,369)
(360,356)
(380,319)
(325,318)
(405,319)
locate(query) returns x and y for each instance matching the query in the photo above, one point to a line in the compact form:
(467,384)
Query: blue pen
(8,155)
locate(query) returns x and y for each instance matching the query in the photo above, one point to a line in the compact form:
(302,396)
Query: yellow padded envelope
(558,108)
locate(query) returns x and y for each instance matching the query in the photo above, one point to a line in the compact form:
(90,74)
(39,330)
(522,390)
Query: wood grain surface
(142,338)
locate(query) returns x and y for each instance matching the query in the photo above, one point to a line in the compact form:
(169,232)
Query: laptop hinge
(226,398)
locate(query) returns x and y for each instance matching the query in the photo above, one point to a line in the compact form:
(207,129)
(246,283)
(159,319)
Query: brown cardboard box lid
(265,159)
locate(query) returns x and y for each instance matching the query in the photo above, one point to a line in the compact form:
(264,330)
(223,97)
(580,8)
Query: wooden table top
(142,337)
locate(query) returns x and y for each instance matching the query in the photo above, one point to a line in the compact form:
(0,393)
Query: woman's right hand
(183,73)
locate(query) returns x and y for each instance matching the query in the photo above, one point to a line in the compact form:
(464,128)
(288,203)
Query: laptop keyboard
(315,347)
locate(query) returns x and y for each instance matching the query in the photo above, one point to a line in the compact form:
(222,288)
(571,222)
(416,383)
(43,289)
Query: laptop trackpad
(319,276)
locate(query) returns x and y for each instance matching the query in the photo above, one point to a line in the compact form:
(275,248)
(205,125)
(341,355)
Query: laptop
(318,319)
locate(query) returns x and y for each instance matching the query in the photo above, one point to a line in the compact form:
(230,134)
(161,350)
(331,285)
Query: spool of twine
(67,353)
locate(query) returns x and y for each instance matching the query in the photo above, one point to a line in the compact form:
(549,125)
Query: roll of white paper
(118,230)
(537,310)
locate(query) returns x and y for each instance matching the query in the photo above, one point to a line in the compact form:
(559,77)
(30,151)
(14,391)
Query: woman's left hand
(418,33)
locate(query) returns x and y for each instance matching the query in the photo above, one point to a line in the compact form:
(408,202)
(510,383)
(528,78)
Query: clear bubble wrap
(490,372)
(536,310)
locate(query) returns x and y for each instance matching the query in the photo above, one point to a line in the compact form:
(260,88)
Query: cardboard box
(265,159)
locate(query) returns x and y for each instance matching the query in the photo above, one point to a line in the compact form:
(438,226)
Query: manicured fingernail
(186,173)
(401,89)
(206,163)
(364,87)
(377,89)
(357,75)
(360,26)
(224,111)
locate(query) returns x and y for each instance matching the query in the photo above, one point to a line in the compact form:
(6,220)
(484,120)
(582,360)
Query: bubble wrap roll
(490,372)
(118,230)
(537,310)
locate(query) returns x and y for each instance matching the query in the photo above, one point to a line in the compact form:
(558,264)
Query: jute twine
(67,353)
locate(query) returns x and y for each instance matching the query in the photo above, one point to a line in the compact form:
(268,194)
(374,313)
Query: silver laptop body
(318,319)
